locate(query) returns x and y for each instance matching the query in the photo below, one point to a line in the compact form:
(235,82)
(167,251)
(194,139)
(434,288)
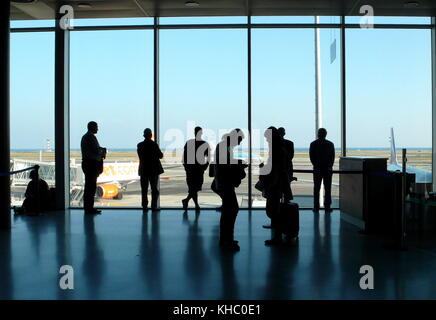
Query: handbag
(100,167)
(212,170)
(260,185)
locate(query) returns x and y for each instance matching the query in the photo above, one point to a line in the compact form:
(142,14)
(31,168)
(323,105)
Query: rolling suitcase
(290,219)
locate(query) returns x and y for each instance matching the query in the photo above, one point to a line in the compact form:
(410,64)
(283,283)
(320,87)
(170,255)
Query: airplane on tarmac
(421,175)
(116,176)
(111,184)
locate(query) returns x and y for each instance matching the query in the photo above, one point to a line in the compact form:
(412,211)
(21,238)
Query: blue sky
(203,80)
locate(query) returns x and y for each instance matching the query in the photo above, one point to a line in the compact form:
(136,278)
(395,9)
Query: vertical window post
(433,80)
(62,112)
(5,155)
(250,171)
(156,84)
(343,92)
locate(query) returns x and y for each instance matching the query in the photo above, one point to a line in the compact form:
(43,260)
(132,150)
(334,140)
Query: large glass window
(330,93)
(32,23)
(32,108)
(283,19)
(203,82)
(112,84)
(202,20)
(387,20)
(389,86)
(283,89)
(113,22)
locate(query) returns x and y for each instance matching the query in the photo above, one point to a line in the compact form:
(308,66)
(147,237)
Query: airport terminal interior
(363,70)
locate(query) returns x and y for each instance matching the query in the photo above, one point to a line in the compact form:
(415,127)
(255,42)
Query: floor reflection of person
(94,265)
(150,266)
(195,161)
(197,264)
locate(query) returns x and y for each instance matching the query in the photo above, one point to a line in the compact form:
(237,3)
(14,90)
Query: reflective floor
(127,255)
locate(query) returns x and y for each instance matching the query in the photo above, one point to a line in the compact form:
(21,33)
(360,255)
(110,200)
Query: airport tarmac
(173,185)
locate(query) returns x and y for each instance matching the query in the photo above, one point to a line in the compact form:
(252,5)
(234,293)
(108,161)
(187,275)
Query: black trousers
(273,211)
(229,212)
(91,169)
(194,179)
(145,181)
(287,191)
(324,176)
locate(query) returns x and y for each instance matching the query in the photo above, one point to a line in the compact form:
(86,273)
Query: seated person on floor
(36,196)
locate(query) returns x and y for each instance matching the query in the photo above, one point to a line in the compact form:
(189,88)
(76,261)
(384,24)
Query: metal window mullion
(62,59)
(343,92)
(227,26)
(433,77)
(156,106)
(249,105)
(5,155)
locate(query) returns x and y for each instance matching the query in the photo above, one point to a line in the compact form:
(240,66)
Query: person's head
(225,137)
(281,131)
(93,126)
(198,132)
(148,133)
(322,133)
(271,134)
(34,175)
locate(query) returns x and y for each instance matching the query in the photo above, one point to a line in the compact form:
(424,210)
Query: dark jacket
(289,153)
(149,158)
(37,196)
(322,154)
(274,174)
(196,155)
(229,171)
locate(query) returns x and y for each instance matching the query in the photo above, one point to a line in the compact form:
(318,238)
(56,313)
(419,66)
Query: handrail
(3,174)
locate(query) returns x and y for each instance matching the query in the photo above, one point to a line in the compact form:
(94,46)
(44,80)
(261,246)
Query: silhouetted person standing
(276,179)
(150,168)
(288,147)
(229,173)
(322,156)
(92,165)
(195,161)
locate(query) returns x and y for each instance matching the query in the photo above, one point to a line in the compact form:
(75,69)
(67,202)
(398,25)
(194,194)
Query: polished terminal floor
(125,254)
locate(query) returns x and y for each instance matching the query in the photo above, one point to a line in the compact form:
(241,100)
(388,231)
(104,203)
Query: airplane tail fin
(393,149)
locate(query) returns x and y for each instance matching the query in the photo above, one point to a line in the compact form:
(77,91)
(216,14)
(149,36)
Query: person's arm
(86,147)
(139,151)
(207,155)
(103,152)
(28,193)
(45,184)
(43,191)
(332,155)
(291,151)
(92,148)
(312,154)
(184,158)
(158,152)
